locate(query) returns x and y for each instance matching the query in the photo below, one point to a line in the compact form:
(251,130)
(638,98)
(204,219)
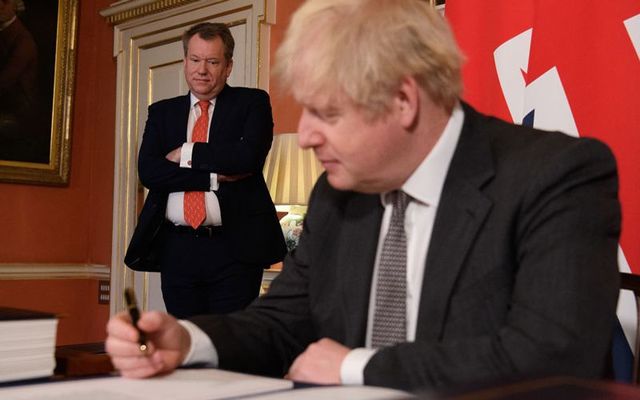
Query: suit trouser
(200,276)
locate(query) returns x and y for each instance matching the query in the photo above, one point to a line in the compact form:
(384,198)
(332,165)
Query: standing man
(441,247)
(208,224)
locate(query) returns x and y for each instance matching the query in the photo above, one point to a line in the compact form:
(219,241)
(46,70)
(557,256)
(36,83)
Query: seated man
(440,247)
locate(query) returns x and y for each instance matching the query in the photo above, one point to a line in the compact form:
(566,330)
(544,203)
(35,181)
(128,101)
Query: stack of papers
(27,344)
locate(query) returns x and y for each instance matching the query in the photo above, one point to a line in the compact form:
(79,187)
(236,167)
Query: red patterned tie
(194,209)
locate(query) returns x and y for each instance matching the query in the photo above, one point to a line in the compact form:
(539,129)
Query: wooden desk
(82,360)
(553,388)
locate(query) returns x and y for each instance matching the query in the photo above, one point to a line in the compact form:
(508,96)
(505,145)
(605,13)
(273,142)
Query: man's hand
(167,340)
(319,363)
(174,155)
(233,178)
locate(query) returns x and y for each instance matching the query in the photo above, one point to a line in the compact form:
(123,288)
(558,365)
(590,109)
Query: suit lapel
(363,216)
(220,111)
(177,129)
(461,212)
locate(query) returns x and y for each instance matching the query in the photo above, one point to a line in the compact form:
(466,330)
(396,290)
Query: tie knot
(204,105)
(399,199)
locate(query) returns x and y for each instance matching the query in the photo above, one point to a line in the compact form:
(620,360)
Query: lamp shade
(290,172)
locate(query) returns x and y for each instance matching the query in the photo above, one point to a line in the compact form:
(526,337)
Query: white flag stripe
(627,305)
(633,28)
(511,58)
(547,97)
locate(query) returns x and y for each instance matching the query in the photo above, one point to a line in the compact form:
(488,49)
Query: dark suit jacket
(239,140)
(521,276)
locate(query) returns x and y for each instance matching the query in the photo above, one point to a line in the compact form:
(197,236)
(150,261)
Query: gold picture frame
(33,151)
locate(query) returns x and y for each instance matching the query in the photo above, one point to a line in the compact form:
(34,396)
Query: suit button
(189,163)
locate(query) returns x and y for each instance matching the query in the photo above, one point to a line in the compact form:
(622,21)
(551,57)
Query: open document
(339,393)
(192,384)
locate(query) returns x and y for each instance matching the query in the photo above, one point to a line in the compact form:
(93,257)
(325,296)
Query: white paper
(192,384)
(337,393)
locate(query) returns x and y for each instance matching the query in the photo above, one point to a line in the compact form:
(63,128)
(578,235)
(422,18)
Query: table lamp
(290,173)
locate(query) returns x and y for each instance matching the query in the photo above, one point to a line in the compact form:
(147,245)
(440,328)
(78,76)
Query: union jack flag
(569,65)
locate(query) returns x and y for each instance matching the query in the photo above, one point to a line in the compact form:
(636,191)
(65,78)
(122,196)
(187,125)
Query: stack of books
(27,344)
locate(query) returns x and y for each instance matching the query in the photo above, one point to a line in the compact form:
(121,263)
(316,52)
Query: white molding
(125,10)
(32,271)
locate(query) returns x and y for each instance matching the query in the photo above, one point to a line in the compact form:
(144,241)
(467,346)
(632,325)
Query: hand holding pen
(162,343)
(134,313)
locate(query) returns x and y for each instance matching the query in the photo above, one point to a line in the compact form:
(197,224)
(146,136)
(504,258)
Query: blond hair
(364,48)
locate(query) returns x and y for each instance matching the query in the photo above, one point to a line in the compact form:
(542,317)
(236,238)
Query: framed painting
(37,64)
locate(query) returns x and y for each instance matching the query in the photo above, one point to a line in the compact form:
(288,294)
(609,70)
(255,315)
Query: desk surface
(553,388)
(206,384)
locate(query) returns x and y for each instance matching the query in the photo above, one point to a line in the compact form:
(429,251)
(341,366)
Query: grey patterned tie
(389,318)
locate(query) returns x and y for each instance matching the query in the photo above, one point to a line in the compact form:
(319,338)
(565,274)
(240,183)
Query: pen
(132,306)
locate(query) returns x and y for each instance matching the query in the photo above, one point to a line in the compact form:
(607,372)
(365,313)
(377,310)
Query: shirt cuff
(186,153)
(202,350)
(352,368)
(214,181)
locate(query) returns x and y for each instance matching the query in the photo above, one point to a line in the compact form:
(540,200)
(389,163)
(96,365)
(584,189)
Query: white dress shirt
(175,203)
(425,187)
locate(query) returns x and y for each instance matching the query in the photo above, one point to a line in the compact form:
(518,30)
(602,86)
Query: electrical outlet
(104,289)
